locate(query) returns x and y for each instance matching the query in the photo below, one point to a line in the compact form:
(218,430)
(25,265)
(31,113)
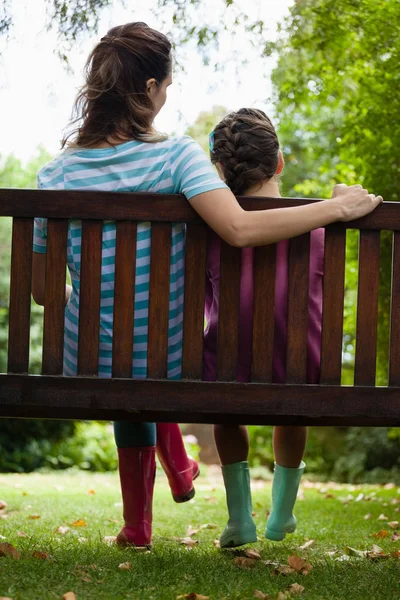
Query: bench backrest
(162,211)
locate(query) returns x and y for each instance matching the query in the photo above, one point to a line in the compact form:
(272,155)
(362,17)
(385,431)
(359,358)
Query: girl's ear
(281,163)
(220,170)
(151,86)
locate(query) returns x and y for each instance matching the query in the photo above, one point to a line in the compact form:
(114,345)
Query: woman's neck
(269,189)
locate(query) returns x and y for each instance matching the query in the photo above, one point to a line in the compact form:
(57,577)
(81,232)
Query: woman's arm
(221,211)
(39,279)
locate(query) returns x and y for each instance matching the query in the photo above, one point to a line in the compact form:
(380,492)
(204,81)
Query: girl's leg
(289,444)
(137,469)
(233,447)
(180,469)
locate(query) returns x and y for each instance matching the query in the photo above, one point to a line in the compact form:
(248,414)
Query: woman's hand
(354,201)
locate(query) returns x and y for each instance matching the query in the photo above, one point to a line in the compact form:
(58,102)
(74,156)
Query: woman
(116,148)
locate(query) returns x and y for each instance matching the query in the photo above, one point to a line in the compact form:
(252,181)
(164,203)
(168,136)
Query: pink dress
(281,301)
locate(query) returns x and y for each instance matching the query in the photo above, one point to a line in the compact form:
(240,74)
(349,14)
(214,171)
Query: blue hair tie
(211,141)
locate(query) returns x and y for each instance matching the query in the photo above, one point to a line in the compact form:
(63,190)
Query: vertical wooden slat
(264,310)
(299,266)
(228,312)
(333,302)
(367,308)
(157,352)
(54,299)
(20,295)
(193,317)
(124,298)
(89,297)
(394,352)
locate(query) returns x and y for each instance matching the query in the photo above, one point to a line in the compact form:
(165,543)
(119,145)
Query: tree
(204,124)
(337,94)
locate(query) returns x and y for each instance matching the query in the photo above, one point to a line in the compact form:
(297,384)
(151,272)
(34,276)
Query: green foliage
(204,124)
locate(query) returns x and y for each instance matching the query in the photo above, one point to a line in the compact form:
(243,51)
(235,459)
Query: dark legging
(134,435)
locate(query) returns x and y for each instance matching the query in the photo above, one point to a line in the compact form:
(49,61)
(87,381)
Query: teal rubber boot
(241,528)
(284,493)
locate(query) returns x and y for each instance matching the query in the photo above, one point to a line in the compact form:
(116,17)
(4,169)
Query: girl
(116,147)
(245,149)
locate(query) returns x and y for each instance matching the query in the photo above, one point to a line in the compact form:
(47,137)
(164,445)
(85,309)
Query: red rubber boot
(180,469)
(137,470)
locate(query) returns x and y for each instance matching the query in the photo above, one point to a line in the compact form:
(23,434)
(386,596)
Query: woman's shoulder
(51,173)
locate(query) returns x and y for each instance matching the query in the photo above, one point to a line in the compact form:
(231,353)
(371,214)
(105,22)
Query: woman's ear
(151,86)
(281,163)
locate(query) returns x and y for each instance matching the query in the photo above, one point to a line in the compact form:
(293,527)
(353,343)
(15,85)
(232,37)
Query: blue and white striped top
(175,165)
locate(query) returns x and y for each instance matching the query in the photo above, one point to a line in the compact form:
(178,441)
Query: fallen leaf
(307,545)
(42,555)
(192,530)
(382,517)
(360,497)
(395,553)
(282,570)
(282,596)
(368,516)
(79,523)
(69,596)
(7,549)
(34,517)
(393,524)
(126,566)
(110,539)
(376,548)
(83,540)
(295,589)
(22,534)
(354,552)
(250,553)
(261,595)
(383,533)
(3,505)
(62,530)
(329,496)
(192,596)
(217,543)
(5,598)
(3,516)
(91,492)
(86,579)
(187,541)
(389,486)
(211,499)
(244,563)
(299,565)
(209,526)
(395,537)
(332,553)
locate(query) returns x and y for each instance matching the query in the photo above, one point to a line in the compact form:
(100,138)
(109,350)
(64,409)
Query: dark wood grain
(124,298)
(264,313)
(124,206)
(333,301)
(54,299)
(20,295)
(299,267)
(89,298)
(157,354)
(193,318)
(367,308)
(394,352)
(228,313)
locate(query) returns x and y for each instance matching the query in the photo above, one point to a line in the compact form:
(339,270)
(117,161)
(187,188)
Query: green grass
(91,570)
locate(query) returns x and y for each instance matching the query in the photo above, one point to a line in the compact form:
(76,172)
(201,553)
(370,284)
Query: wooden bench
(50,395)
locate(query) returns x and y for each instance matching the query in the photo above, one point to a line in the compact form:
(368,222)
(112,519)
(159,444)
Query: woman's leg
(233,447)
(180,469)
(137,469)
(289,444)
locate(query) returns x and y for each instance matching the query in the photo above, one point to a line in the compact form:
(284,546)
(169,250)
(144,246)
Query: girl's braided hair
(247,147)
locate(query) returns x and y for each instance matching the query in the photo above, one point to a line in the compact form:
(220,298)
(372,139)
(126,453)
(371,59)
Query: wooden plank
(394,352)
(333,301)
(54,299)
(193,318)
(124,297)
(189,401)
(125,206)
(264,313)
(157,352)
(89,298)
(299,267)
(20,295)
(228,313)
(367,308)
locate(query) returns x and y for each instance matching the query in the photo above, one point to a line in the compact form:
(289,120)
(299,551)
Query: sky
(37,92)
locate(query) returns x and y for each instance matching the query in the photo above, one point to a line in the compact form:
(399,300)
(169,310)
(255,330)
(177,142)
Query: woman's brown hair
(247,147)
(114,102)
